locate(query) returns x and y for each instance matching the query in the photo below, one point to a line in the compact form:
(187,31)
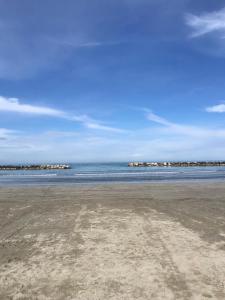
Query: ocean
(93,173)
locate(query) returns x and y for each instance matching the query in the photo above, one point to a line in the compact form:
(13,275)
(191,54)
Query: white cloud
(185,130)
(207,23)
(167,141)
(5,133)
(93,124)
(220,108)
(86,147)
(14,105)
(72,41)
(157,119)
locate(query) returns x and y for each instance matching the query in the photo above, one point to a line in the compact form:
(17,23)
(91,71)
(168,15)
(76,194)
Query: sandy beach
(136,241)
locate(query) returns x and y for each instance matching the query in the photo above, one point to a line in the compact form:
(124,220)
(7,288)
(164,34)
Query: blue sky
(112,80)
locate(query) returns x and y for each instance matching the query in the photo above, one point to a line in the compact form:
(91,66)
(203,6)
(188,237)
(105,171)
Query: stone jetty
(34,167)
(178,164)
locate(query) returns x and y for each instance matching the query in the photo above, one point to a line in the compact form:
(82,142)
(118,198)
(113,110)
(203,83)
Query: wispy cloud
(72,41)
(14,105)
(93,124)
(167,141)
(5,133)
(49,46)
(207,23)
(220,108)
(186,130)
(157,119)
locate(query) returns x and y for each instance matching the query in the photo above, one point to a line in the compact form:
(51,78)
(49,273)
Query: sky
(115,80)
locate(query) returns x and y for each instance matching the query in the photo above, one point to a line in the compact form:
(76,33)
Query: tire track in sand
(173,278)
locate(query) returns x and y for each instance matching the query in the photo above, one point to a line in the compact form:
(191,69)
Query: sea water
(88,173)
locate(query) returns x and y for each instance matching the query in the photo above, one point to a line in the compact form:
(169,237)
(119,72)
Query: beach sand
(137,241)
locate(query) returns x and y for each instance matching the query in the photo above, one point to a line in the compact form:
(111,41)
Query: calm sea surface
(87,173)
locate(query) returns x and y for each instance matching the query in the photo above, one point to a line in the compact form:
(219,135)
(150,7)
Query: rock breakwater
(34,167)
(178,164)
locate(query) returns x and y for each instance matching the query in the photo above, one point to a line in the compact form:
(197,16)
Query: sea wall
(34,167)
(177,164)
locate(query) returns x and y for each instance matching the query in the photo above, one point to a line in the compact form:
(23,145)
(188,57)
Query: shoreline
(115,183)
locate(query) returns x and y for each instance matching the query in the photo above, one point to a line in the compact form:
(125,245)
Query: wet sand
(137,241)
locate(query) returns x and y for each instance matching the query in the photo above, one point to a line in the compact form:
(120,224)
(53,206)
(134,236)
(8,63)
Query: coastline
(157,241)
(68,185)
